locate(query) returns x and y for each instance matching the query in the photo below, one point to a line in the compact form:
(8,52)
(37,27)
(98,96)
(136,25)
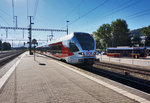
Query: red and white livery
(75,48)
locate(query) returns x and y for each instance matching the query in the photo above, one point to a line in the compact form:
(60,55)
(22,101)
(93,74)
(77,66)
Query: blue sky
(84,15)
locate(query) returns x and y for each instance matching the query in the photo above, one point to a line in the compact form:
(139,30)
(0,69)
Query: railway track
(7,56)
(126,69)
(134,82)
(138,78)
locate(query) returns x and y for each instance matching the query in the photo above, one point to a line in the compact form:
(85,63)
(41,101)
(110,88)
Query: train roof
(64,38)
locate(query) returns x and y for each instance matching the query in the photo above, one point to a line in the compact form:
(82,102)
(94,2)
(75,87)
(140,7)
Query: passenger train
(75,48)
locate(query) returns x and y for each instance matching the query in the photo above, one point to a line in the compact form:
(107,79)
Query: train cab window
(73,47)
(85,40)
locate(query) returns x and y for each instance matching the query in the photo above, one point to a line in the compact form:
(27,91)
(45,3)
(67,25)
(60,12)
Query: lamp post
(112,39)
(132,51)
(1,42)
(12,44)
(16,22)
(144,41)
(67,27)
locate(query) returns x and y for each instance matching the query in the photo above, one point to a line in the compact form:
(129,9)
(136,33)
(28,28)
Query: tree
(120,33)
(146,33)
(6,46)
(98,44)
(34,41)
(103,36)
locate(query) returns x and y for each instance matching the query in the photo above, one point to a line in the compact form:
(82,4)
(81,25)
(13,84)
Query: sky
(83,16)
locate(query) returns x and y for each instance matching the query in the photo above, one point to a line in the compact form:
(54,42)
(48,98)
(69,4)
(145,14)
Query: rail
(135,77)
(5,56)
(129,69)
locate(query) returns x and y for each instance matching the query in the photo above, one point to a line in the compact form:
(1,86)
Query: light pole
(112,39)
(144,41)
(1,42)
(12,44)
(132,51)
(67,27)
(16,22)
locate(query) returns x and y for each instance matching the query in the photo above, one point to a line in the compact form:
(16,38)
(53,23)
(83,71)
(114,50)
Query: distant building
(135,32)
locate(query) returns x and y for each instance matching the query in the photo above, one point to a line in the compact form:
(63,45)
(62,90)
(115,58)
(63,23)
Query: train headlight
(81,53)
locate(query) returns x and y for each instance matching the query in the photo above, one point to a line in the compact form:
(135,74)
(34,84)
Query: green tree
(120,33)
(136,41)
(103,36)
(34,41)
(6,46)
(146,33)
(98,44)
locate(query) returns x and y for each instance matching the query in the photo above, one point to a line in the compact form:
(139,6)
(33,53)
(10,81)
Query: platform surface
(45,81)
(141,62)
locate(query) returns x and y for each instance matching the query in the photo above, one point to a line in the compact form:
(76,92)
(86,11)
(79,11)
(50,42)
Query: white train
(75,48)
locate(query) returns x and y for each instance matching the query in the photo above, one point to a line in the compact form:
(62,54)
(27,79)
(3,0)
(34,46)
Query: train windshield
(85,40)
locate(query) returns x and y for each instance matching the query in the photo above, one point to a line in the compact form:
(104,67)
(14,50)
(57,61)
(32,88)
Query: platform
(141,62)
(45,80)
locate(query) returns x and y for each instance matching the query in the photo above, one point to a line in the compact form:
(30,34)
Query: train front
(87,48)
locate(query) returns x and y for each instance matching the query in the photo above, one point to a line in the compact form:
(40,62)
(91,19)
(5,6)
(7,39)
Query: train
(148,50)
(75,48)
(135,52)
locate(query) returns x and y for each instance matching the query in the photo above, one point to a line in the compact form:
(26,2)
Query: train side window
(59,49)
(73,47)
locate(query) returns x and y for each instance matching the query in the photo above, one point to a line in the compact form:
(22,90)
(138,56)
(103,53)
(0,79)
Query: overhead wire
(121,5)
(4,12)
(4,20)
(137,13)
(93,10)
(136,2)
(13,10)
(35,8)
(76,7)
(80,7)
(143,14)
(27,8)
(130,4)
(87,13)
